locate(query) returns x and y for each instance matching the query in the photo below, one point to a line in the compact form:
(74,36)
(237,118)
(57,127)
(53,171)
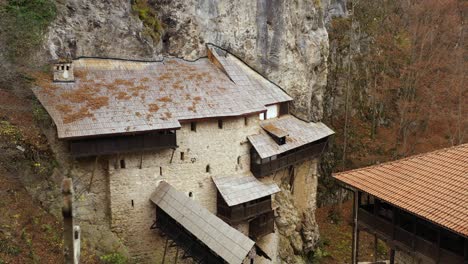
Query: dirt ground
(336,237)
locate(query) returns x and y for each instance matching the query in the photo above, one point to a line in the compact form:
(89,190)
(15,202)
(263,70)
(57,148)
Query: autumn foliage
(397,79)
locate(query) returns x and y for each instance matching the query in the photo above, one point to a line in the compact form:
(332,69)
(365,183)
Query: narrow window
(182,156)
(220,124)
(133,204)
(238,159)
(246,121)
(190,194)
(68,68)
(208,169)
(58,68)
(160,171)
(122,164)
(193,126)
(63,67)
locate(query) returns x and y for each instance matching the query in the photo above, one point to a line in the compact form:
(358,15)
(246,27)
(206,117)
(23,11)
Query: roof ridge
(403,159)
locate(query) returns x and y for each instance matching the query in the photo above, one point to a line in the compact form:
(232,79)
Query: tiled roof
(433,186)
(221,238)
(241,189)
(298,133)
(112,96)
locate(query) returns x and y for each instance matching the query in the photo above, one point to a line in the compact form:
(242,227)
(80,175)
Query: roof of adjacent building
(298,133)
(241,189)
(221,238)
(433,186)
(111,96)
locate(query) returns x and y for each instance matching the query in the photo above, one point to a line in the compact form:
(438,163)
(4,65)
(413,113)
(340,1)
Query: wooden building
(417,205)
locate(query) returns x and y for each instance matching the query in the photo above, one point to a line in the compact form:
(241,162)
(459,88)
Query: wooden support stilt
(176,255)
(172,156)
(92,174)
(376,242)
(355,246)
(165,250)
(392,256)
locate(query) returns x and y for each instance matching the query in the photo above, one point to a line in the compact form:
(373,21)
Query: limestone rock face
(98,28)
(298,234)
(284,40)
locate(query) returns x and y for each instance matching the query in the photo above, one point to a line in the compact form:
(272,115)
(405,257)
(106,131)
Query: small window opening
(208,169)
(160,171)
(122,164)
(58,68)
(182,156)
(190,194)
(68,67)
(133,204)
(77,235)
(220,124)
(246,121)
(193,126)
(63,67)
(238,159)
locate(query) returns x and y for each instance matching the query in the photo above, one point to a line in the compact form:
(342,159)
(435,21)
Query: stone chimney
(63,71)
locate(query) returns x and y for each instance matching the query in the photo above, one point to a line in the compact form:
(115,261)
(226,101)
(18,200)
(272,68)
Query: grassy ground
(336,235)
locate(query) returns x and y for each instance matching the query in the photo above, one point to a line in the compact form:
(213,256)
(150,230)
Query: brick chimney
(63,71)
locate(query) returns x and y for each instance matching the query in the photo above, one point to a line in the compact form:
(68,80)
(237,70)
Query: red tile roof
(433,186)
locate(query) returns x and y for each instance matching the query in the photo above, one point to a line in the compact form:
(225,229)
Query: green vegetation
(24,23)
(149,17)
(10,132)
(7,248)
(114,258)
(320,253)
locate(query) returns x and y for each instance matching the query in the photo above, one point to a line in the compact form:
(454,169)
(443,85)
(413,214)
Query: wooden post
(165,250)
(67,212)
(355,245)
(465,251)
(392,256)
(176,255)
(376,241)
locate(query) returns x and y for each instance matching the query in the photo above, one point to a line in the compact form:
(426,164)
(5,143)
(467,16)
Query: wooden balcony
(262,225)
(122,144)
(264,167)
(405,240)
(242,212)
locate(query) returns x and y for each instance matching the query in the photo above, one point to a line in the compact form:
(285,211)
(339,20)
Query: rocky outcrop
(284,40)
(298,233)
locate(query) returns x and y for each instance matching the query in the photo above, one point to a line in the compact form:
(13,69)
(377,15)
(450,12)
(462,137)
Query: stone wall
(226,151)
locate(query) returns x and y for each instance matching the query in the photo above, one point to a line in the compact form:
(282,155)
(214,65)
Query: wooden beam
(376,241)
(392,256)
(355,246)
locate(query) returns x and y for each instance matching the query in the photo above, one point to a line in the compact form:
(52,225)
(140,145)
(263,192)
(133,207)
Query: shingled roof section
(241,189)
(433,186)
(221,238)
(111,96)
(257,86)
(298,133)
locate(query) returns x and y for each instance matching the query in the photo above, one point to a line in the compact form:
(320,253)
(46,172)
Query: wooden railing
(243,212)
(121,144)
(286,159)
(406,240)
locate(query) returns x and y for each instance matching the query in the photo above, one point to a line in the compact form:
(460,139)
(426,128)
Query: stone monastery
(193,153)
